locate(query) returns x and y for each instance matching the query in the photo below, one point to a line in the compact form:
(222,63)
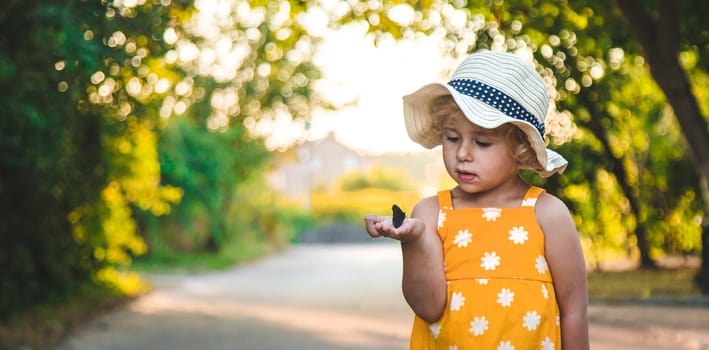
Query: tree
(243,66)
(91,86)
(587,51)
(101,100)
(44,146)
(78,145)
(664,31)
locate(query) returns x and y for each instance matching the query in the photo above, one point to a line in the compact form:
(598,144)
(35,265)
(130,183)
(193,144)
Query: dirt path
(335,297)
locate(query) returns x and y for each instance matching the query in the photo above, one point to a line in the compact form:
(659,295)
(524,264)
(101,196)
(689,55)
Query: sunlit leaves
(120,228)
(140,185)
(606,97)
(256,53)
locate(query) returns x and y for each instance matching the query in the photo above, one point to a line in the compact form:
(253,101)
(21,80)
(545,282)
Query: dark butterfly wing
(398,215)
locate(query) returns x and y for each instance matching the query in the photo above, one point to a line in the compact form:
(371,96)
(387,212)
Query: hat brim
(420,123)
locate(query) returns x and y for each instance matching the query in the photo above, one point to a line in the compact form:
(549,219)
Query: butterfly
(398,215)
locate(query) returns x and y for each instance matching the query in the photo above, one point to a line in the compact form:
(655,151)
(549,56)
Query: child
(493,263)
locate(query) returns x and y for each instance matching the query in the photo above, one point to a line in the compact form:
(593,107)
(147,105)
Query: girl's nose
(465,152)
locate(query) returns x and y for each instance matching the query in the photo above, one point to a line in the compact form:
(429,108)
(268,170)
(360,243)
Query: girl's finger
(371,222)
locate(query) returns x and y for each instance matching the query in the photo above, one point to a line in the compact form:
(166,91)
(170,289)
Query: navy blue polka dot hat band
(496,99)
(491,89)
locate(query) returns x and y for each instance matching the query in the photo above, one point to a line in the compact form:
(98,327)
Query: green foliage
(90,87)
(269,217)
(257,221)
(126,122)
(207,149)
(614,125)
(51,161)
(208,167)
(78,151)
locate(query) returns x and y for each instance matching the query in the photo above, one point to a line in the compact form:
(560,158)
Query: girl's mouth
(465,176)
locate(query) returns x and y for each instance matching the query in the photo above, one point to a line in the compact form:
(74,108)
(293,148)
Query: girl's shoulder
(426,209)
(552,214)
(427,204)
(549,206)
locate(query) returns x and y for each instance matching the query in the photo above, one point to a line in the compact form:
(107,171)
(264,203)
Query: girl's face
(478,159)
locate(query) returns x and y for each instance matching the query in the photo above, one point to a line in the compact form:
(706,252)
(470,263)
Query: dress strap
(445,199)
(530,198)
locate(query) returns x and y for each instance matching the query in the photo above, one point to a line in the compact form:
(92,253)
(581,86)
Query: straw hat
(491,88)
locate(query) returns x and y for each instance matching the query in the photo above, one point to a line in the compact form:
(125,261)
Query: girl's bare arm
(423,281)
(568,269)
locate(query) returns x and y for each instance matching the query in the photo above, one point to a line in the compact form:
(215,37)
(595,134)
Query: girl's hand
(382,226)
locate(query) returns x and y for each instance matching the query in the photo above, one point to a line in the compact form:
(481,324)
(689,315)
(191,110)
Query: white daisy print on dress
(441,218)
(505,345)
(435,329)
(532,320)
(491,214)
(482,281)
(505,297)
(518,235)
(478,326)
(457,301)
(463,238)
(545,291)
(541,264)
(490,261)
(529,202)
(547,344)
(453,347)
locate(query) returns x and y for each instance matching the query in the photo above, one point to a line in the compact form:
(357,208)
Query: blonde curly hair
(444,107)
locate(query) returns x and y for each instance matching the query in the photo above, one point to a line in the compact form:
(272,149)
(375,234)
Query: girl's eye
(483,143)
(452,138)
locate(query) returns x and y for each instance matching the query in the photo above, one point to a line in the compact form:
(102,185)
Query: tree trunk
(703,276)
(616,166)
(660,44)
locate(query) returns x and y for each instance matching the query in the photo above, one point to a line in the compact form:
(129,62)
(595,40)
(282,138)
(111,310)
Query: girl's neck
(507,195)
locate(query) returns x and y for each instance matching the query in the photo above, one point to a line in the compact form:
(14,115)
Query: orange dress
(500,291)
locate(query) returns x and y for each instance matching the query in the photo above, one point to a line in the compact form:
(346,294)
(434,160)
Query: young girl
(493,263)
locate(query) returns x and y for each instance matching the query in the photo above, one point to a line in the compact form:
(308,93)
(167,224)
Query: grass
(230,255)
(643,284)
(183,263)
